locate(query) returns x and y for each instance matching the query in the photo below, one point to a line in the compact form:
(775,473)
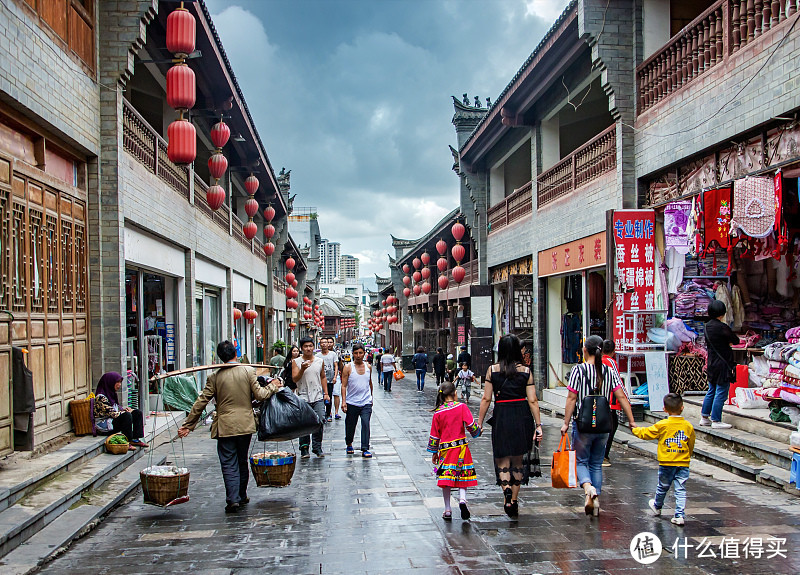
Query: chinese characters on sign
(634,250)
(574,256)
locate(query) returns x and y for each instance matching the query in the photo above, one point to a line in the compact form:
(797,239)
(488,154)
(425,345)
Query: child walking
(448,443)
(465,378)
(675,446)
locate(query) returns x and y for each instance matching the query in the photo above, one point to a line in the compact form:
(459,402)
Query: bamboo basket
(273,472)
(165,491)
(80,411)
(116,448)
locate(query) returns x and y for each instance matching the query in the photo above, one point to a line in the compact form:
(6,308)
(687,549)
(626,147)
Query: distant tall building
(329,256)
(349,269)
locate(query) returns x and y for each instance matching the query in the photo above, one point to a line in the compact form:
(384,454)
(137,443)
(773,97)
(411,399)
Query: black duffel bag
(285,416)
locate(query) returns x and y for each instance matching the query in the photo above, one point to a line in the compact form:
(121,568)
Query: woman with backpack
(591,385)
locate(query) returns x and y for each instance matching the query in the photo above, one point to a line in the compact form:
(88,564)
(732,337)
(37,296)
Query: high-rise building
(329,256)
(349,269)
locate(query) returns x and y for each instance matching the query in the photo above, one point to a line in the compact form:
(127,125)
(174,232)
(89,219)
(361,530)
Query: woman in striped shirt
(591,378)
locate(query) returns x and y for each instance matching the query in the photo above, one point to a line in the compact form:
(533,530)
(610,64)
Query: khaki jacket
(233,388)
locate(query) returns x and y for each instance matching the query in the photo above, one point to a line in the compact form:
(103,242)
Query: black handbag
(595,415)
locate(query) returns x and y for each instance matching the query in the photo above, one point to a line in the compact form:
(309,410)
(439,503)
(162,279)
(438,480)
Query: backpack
(595,414)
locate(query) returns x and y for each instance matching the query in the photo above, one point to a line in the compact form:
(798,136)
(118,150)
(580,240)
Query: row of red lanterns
(458,252)
(181,87)
(249,314)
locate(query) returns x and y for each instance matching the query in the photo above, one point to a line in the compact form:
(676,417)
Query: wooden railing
(722,29)
(512,208)
(147,146)
(220,216)
(593,159)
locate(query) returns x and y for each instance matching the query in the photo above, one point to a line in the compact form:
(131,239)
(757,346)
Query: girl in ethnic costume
(448,443)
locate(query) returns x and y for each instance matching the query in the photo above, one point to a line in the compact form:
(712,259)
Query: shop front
(210,322)
(512,299)
(573,278)
(243,329)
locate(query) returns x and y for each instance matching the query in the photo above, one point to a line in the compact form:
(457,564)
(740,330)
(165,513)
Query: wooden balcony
(590,161)
(721,30)
(147,146)
(516,206)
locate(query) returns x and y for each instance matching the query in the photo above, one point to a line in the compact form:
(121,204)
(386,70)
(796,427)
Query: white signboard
(657,381)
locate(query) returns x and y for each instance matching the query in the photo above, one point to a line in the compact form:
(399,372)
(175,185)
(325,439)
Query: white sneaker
(720,425)
(677,521)
(656,511)
(705,422)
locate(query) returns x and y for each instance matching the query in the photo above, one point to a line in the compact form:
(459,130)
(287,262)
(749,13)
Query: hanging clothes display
(573,295)
(571,338)
(716,218)
(753,207)
(676,226)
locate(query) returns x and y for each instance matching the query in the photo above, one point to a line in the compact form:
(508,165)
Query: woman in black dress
(286,374)
(516,422)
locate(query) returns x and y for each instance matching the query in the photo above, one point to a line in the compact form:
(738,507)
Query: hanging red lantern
(383,303)
(426,273)
(215,196)
(181,32)
(426,258)
(250,230)
(220,134)
(441,247)
(250,315)
(237,314)
(269,213)
(458,252)
(292,325)
(417,277)
(458,230)
(316,307)
(417,290)
(294,283)
(289,277)
(269,248)
(251,185)
(217,164)
(181,142)
(290,263)
(251,207)
(181,87)
(417,263)
(406,268)
(441,263)
(406,292)
(427,287)
(458,274)
(269,231)
(443,282)
(406,280)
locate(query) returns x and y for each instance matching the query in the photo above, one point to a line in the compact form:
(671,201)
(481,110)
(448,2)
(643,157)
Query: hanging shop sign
(523,266)
(634,252)
(574,256)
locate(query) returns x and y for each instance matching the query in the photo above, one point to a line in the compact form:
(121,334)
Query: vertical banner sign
(170,341)
(657,380)
(634,252)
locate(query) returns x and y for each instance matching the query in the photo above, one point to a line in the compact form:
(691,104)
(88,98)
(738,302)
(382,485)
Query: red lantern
(426,258)
(217,164)
(250,315)
(417,290)
(427,287)
(443,282)
(220,134)
(251,185)
(417,263)
(269,231)
(406,292)
(181,142)
(417,277)
(316,307)
(383,303)
(181,87)
(458,274)
(426,273)
(294,283)
(290,265)
(458,252)
(441,263)
(269,213)
(215,197)
(441,247)
(250,230)
(289,277)
(389,299)
(251,207)
(292,325)
(458,230)
(181,32)
(237,314)
(406,268)
(406,280)
(269,248)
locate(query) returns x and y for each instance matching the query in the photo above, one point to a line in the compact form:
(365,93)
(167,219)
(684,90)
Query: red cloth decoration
(717,218)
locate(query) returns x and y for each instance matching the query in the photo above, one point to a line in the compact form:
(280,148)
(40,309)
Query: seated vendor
(111,418)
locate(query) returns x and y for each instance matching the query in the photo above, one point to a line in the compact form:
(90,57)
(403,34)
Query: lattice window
(36,249)
(522,301)
(53,267)
(18,257)
(5,248)
(67,266)
(80,268)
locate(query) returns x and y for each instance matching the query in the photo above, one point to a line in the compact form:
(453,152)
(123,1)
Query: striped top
(583,381)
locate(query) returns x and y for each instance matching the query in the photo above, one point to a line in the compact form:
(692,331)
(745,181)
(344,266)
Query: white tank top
(358,392)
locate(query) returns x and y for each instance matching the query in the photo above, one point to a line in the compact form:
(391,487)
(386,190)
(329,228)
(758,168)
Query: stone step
(76,521)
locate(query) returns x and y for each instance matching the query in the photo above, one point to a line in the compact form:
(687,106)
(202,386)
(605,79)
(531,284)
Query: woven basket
(273,472)
(80,410)
(116,448)
(164,491)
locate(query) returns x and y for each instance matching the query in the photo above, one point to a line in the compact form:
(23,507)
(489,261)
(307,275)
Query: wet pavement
(344,514)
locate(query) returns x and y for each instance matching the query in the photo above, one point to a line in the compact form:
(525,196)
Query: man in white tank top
(357,400)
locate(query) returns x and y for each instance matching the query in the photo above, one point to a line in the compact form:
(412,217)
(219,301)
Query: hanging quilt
(676,224)
(717,217)
(753,207)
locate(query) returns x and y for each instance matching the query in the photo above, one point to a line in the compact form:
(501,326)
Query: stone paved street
(348,515)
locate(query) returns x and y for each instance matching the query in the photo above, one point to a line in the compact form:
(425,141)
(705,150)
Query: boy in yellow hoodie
(675,446)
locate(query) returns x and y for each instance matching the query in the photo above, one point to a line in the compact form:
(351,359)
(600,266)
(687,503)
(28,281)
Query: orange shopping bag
(564,469)
(398,375)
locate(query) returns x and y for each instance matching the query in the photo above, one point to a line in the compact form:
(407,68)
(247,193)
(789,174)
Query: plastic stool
(794,473)
(634,383)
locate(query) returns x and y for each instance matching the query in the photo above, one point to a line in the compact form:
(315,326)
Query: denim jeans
(388,378)
(354,413)
(714,400)
(233,460)
(590,448)
(672,475)
(420,379)
(316,438)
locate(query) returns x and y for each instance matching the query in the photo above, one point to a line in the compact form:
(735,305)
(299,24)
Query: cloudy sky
(354,97)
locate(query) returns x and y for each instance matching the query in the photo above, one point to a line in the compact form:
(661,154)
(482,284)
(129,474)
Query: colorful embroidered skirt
(456,468)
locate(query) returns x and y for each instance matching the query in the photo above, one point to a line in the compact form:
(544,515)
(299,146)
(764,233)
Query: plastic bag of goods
(751,398)
(793,413)
(285,416)
(165,470)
